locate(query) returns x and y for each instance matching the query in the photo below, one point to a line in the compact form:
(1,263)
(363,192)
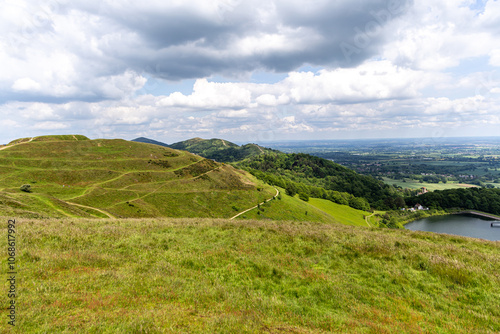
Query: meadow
(246,276)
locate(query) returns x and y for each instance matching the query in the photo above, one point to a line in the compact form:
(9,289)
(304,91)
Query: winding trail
(90,207)
(239,214)
(7,146)
(259,148)
(366,219)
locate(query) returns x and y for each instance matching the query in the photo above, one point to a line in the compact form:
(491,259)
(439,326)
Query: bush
(304,196)
(26,188)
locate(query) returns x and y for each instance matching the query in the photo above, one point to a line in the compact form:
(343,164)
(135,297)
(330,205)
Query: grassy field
(72,176)
(344,213)
(414,184)
(240,276)
(292,208)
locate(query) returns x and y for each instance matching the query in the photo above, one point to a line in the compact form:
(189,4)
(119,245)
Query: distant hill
(219,149)
(149,141)
(73,177)
(49,138)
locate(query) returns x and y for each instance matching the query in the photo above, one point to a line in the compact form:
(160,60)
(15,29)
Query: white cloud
(50,126)
(26,84)
(210,95)
(437,35)
(375,80)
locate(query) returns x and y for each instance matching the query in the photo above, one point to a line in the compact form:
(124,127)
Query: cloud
(210,95)
(437,35)
(26,84)
(125,68)
(94,50)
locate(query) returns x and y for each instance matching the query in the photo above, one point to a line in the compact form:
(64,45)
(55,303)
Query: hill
(149,141)
(77,177)
(220,276)
(48,138)
(219,149)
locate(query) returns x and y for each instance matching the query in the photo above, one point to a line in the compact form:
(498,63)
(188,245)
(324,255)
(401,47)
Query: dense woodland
(482,199)
(311,172)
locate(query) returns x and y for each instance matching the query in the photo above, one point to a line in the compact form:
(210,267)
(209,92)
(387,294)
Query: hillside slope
(221,276)
(118,178)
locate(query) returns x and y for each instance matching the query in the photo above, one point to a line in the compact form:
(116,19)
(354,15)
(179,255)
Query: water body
(465,225)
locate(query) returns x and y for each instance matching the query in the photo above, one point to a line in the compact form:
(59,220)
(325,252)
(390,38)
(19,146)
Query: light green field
(221,276)
(291,208)
(343,213)
(414,184)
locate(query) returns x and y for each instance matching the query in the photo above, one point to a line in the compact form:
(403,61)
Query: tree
(291,190)
(400,202)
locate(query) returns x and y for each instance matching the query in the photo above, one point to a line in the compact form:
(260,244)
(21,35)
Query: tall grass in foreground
(220,276)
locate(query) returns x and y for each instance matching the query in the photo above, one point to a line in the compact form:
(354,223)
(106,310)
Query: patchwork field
(415,184)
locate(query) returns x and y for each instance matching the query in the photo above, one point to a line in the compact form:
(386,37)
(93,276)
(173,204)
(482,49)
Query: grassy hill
(221,276)
(219,149)
(77,177)
(316,210)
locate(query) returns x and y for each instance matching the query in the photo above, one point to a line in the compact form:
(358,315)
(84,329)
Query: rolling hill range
(273,269)
(77,177)
(220,149)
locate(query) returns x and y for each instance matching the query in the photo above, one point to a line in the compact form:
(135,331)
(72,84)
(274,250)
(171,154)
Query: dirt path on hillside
(259,148)
(366,219)
(7,146)
(239,214)
(92,208)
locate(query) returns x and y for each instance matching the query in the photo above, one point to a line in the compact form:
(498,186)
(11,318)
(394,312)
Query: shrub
(26,188)
(304,196)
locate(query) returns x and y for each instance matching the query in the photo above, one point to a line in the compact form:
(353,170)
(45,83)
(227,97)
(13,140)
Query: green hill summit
(77,177)
(219,149)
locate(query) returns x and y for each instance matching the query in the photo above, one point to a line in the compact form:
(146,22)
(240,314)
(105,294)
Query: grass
(240,276)
(344,213)
(290,208)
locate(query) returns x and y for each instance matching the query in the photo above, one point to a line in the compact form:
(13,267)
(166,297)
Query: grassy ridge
(72,176)
(219,276)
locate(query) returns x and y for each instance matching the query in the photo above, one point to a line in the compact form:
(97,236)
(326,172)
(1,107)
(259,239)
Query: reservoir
(465,225)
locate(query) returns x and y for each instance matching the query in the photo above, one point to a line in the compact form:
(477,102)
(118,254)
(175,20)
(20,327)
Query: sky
(250,71)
